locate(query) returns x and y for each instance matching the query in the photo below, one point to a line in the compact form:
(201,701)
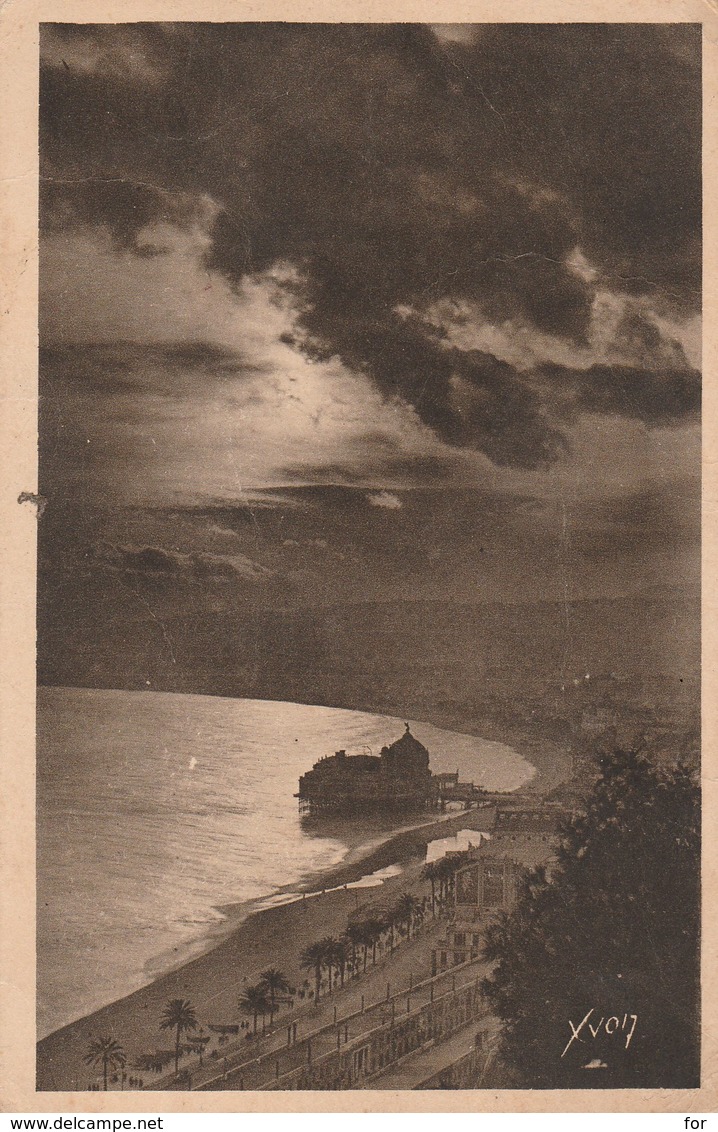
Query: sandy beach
(272,937)
(253,940)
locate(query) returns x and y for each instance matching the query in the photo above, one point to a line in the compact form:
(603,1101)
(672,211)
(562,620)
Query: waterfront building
(527,834)
(488,878)
(397,779)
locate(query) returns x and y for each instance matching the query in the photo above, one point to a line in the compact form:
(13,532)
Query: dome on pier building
(406,754)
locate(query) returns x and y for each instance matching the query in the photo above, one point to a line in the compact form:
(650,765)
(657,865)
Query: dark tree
(255,1001)
(179,1015)
(429,872)
(615,931)
(274,982)
(341,951)
(318,956)
(106,1052)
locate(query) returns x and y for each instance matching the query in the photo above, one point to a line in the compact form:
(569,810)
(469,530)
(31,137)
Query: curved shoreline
(394,847)
(270,936)
(103,964)
(255,935)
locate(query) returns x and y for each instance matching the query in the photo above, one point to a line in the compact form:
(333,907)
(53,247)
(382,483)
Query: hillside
(506,660)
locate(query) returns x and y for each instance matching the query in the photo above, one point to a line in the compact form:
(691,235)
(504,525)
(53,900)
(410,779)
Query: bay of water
(156,810)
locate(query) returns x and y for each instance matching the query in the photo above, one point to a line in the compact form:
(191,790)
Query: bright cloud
(385,499)
(207,401)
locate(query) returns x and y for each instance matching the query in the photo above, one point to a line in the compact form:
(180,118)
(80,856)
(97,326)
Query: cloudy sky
(331,312)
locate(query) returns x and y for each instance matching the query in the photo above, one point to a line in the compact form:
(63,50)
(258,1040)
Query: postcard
(355,750)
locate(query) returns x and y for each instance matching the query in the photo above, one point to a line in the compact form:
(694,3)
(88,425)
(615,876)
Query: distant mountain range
(110,633)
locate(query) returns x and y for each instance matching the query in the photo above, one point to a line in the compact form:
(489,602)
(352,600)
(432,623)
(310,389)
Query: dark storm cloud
(326,544)
(122,206)
(148,561)
(455,507)
(203,357)
(115,365)
(235,516)
(656,398)
(391,168)
(387,463)
(468,397)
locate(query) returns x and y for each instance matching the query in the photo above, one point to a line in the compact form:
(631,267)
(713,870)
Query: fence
(352,1065)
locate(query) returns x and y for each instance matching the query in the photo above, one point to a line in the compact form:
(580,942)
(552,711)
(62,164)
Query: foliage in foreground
(179,1015)
(105,1052)
(614,931)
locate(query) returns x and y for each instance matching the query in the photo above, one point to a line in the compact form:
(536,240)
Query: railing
(304,1051)
(401,1037)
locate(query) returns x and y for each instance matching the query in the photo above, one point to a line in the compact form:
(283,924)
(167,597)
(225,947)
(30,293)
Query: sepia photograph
(369,557)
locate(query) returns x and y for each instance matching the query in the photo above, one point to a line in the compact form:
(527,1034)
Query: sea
(161,818)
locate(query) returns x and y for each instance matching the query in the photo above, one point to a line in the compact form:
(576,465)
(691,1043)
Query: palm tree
(390,918)
(274,982)
(254,1001)
(355,936)
(374,929)
(340,954)
(314,958)
(445,871)
(105,1052)
(441,873)
(179,1015)
(406,907)
(429,872)
(368,934)
(331,947)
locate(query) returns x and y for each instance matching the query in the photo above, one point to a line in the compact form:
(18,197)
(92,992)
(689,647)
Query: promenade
(398,986)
